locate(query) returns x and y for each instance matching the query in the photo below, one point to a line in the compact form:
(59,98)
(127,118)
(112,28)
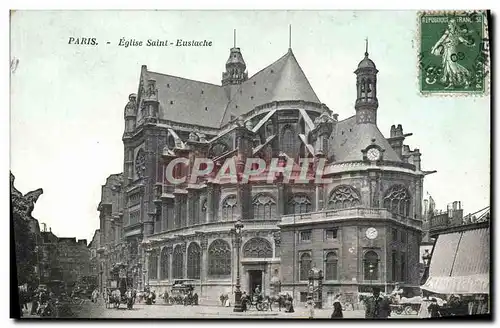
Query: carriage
(118,288)
(261,304)
(182,293)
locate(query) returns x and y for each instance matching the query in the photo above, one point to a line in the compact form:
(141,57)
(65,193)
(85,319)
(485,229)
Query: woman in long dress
(454,74)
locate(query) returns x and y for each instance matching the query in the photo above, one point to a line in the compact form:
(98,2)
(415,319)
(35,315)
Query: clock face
(373,154)
(371,233)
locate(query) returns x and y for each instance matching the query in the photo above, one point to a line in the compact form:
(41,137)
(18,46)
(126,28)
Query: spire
(234,37)
(366,48)
(290,36)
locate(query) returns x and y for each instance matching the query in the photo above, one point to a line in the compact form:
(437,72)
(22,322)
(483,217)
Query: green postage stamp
(454,52)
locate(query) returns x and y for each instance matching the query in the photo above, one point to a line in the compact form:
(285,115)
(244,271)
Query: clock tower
(366,90)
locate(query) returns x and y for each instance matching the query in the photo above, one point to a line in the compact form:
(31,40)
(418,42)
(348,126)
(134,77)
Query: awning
(460,263)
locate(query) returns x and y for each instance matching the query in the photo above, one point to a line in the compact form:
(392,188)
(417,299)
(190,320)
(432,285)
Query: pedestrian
(337,308)
(377,307)
(310,306)
(433,309)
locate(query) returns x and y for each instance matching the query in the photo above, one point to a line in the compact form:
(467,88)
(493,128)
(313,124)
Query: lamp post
(371,266)
(147,249)
(238,226)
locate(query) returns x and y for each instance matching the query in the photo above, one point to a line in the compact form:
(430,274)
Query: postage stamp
(454,52)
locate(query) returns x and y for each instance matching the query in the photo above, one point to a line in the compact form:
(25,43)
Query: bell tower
(366,90)
(235,73)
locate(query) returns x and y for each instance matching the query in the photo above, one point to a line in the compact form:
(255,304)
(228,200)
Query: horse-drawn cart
(118,288)
(405,305)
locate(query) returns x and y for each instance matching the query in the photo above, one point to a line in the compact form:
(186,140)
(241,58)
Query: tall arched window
(370,262)
(397,200)
(264,207)
(331,266)
(178,263)
(258,247)
(219,259)
(164,263)
(288,143)
(299,203)
(194,261)
(305,264)
(153,265)
(229,208)
(344,197)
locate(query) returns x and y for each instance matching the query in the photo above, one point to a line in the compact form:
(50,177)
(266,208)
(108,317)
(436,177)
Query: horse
(280,299)
(115,298)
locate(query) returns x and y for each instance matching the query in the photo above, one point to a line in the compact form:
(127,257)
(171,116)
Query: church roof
(349,139)
(188,101)
(205,104)
(282,80)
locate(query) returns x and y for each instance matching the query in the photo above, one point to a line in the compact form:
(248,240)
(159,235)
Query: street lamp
(147,249)
(426,258)
(238,226)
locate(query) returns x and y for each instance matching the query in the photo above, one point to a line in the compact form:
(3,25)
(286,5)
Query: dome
(366,62)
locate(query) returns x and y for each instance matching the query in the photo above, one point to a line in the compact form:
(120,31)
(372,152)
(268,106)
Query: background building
(362,229)
(73,259)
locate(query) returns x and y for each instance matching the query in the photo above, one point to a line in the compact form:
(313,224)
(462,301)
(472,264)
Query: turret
(366,85)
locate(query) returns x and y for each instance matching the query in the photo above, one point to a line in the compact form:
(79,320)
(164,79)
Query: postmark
(453,58)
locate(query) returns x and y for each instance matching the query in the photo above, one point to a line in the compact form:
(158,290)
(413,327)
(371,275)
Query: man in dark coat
(433,309)
(377,307)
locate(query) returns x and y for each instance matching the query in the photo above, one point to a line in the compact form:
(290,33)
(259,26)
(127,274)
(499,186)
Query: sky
(67,101)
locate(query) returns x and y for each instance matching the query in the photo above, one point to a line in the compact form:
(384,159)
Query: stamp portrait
(454,52)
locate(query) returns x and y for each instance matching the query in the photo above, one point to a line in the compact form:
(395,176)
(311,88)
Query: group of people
(43,303)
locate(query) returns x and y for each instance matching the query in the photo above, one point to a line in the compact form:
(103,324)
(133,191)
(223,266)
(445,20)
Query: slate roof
(282,80)
(188,101)
(205,104)
(349,138)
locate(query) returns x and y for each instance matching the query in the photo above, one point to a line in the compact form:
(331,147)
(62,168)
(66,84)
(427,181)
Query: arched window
(344,197)
(153,265)
(331,266)
(305,266)
(229,208)
(264,207)
(370,262)
(194,261)
(299,203)
(178,263)
(219,259)
(164,263)
(258,248)
(397,200)
(288,144)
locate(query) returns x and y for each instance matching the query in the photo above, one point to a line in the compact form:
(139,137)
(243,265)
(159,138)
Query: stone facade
(73,259)
(167,231)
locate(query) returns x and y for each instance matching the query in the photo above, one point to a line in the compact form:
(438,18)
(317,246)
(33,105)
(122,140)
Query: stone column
(184,253)
(281,198)
(210,202)
(418,199)
(318,204)
(189,203)
(170,252)
(177,212)
(204,262)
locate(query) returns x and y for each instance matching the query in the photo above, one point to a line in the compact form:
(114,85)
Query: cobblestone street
(91,310)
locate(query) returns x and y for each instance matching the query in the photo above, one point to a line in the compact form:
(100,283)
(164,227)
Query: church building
(362,228)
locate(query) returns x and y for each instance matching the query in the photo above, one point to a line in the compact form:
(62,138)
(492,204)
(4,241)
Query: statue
(23,205)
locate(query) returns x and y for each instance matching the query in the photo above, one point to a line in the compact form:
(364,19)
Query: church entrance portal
(255,279)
